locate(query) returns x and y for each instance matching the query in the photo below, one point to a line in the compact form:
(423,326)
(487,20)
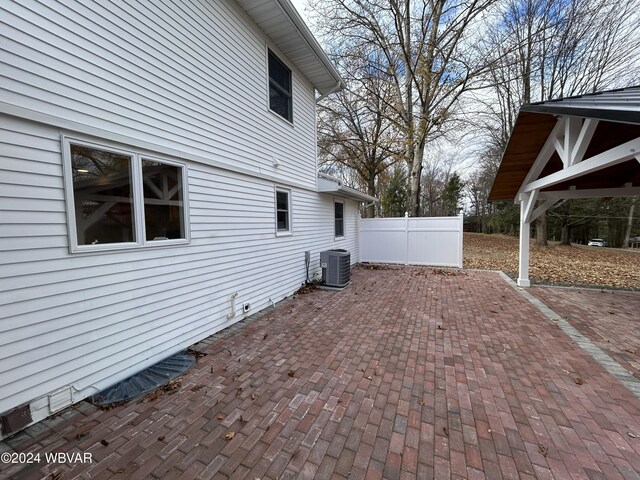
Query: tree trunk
(415,183)
(564,236)
(627,233)
(541,230)
(371,190)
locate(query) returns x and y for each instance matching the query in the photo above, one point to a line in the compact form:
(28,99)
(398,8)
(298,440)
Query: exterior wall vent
(336,268)
(60,399)
(16,419)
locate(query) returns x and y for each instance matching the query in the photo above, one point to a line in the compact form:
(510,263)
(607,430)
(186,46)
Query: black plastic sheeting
(145,381)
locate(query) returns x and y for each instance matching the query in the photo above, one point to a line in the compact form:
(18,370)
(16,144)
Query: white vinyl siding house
(152,84)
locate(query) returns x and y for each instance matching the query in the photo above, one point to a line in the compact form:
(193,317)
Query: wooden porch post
(523,275)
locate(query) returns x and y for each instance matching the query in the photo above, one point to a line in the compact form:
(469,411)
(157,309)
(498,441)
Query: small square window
(280,96)
(339,219)
(283,211)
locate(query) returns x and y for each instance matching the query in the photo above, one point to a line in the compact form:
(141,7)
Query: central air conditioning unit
(336,268)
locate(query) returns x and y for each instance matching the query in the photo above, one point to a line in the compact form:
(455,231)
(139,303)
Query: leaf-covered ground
(556,264)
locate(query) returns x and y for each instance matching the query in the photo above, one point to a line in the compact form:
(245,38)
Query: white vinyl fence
(433,241)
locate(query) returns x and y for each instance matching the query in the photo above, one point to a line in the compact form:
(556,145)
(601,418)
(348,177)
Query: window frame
(335,234)
(289,230)
(289,118)
(137,156)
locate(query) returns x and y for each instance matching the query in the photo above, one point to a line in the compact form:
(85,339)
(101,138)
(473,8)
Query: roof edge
(585,112)
(300,25)
(329,184)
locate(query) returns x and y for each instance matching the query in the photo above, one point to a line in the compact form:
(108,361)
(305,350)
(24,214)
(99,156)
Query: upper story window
(280,91)
(283,211)
(118,199)
(339,219)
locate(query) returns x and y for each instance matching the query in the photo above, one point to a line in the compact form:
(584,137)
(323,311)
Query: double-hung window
(119,198)
(338,208)
(280,92)
(283,211)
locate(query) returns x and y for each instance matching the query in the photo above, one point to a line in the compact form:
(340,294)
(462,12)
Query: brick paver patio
(609,318)
(408,373)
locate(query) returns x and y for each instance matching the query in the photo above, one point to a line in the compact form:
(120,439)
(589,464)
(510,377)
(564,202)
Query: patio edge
(625,377)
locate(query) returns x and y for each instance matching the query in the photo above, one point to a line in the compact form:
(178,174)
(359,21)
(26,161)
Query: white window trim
(344,230)
(268,104)
(283,233)
(138,198)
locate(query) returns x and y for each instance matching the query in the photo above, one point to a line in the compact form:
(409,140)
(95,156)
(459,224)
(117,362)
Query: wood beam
(540,209)
(529,202)
(590,193)
(572,129)
(544,156)
(583,140)
(611,157)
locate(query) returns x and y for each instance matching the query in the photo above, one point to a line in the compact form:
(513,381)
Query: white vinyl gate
(433,241)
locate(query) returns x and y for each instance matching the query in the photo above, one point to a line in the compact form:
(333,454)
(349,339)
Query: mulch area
(408,373)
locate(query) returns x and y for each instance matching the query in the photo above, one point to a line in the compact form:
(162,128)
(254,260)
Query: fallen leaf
(238,391)
(554,264)
(543,450)
(440,327)
(421,402)
(446,431)
(161,437)
(630,350)
(220,416)
(229,435)
(291,373)
(253,396)
(579,381)
(104,442)
(242,420)
(265,336)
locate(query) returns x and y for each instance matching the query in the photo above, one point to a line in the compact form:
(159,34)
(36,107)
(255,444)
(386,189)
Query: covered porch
(576,147)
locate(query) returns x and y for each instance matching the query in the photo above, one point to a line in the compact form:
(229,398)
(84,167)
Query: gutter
(289,10)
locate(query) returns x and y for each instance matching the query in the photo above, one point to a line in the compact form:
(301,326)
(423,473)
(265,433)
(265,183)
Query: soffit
(281,22)
(619,115)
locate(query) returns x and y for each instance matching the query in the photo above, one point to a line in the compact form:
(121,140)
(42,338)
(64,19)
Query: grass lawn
(556,264)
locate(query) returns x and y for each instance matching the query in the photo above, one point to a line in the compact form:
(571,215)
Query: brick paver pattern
(407,373)
(609,318)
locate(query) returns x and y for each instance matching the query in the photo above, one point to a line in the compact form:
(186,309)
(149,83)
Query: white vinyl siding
(190,76)
(90,320)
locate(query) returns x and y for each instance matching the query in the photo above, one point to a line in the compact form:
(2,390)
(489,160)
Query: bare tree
(545,49)
(356,128)
(423,47)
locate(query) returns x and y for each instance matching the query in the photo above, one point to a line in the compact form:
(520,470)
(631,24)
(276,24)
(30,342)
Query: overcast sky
(300,4)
